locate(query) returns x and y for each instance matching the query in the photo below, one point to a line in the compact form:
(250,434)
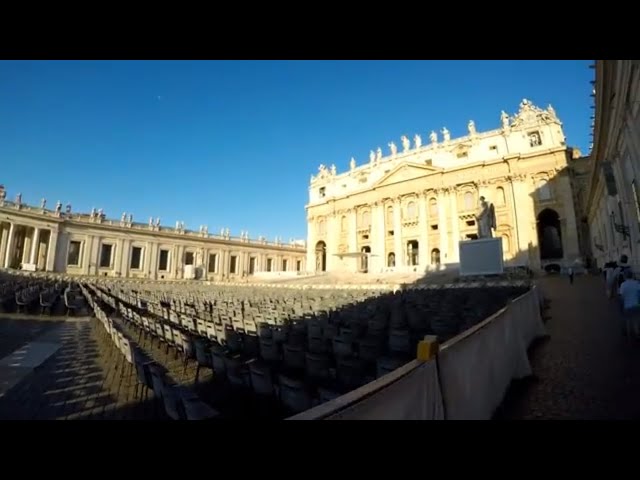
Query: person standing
(570,272)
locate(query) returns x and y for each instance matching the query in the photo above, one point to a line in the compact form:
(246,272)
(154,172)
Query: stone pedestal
(481,257)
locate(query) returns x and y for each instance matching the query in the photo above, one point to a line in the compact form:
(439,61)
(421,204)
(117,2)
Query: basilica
(407,210)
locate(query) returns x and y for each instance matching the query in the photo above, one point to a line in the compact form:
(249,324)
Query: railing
(466,380)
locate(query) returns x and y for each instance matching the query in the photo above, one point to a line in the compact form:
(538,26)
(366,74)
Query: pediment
(405,172)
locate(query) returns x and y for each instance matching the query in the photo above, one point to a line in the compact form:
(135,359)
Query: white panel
(481,257)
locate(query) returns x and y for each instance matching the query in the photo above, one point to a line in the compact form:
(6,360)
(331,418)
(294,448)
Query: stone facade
(408,210)
(612,197)
(90,244)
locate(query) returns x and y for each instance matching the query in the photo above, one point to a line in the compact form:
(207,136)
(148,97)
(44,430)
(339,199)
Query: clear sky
(233,143)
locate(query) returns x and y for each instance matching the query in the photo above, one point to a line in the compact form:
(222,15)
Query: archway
(435,257)
(549,235)
(391,260)
(364,265)
(321,256)
(412,252)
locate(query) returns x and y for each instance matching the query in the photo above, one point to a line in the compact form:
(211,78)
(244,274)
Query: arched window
(468,201)
(391,260)
(411,210)
(390,216)
(366,219)
(433,208)
(500,198)
(544,192)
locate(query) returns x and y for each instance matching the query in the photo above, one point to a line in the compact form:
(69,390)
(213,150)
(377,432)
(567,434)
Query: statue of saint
(123,218)
(378,154)
(393,148)
(333,170)
(352,164)
(372,156)
(504,118)
(472,127)
(406,144)
(417,140)
(486,219)
(43,203)
(19,198)
(446,135)
(59,207)
(433,136)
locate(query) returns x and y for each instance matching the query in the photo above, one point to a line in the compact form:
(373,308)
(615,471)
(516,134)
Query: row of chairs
(180,403)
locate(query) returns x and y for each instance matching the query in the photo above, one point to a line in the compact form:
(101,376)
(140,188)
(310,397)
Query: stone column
(51,250)
(4,233)
(377,262)
(423,224)
(311,247)
(352,239)
(34,245)
(7,256)
(455,227)
(442,225)
(397,233)
(117,262)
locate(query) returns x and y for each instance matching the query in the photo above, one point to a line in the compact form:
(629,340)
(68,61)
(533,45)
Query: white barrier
(467,380)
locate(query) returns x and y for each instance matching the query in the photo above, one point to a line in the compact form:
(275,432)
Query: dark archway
(549,235)
(412,253)
(321,256)
(435,257)
(391,260)
(364,265)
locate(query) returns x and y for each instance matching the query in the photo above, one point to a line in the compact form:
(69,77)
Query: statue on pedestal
(372,156)
(130,218)
(123,218)
(418,141)
(68,208)
(393,148)
(433,136)
(406,144)
(19,199)
(43,203)
(486,219)
(352,164)
(58,207)
(378,154)
(504,118)
(472,128)
(446,135)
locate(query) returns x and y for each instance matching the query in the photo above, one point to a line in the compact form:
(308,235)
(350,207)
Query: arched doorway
(391,260)
(549,235)
(412,252)
(435,257)
(321,256)
(364,265)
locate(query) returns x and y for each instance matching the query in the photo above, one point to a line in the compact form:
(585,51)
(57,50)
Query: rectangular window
(284,265)
(298,265)
(322,192)
(269,264)
(73,257)
(233,264)
(163,264)
(213,259)
(252,265)
(105,255)
(136,258)
(188,258)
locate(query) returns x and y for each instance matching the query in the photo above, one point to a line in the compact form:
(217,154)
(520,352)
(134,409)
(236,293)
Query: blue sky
(233,143)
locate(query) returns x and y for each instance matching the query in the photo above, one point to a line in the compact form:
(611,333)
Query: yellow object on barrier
(427,348)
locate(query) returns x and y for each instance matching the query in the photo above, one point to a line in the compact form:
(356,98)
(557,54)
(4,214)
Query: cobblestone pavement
(16,330)
(85,379)
(587,369)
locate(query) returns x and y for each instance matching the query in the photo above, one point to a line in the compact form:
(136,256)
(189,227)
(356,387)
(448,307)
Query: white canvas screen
(481,257)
